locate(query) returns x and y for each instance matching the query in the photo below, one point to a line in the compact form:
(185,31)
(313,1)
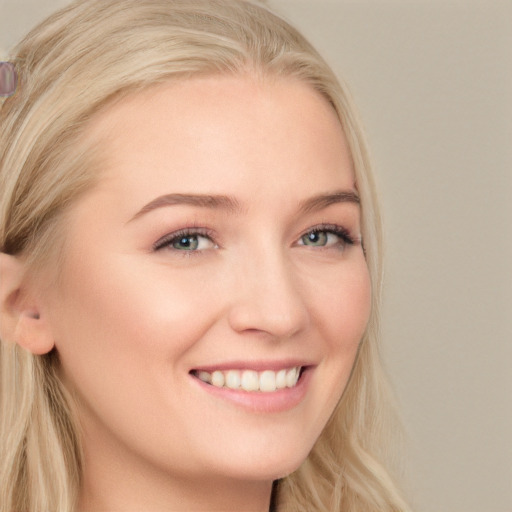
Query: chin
(272,466)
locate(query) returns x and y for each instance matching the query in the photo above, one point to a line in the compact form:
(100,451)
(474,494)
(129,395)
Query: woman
(190,269)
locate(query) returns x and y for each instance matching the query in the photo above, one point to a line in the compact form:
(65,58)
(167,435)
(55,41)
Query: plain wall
(433,80)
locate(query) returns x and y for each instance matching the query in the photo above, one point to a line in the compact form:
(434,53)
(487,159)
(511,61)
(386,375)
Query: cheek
(349,311)
(123,337)
(115,320)
(343,310)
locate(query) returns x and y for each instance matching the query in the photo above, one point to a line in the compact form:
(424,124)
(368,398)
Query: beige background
(433,80)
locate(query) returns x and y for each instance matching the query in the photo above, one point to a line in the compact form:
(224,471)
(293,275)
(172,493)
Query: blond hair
(80,59)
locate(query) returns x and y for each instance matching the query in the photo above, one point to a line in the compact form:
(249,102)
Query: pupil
(187,242)
(317,237)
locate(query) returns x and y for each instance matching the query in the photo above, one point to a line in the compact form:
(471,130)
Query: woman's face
(222,243)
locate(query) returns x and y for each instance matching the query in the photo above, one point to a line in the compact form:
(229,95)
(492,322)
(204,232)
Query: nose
(267,297)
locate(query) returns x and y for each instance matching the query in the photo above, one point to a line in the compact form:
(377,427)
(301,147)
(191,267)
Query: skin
(129,322)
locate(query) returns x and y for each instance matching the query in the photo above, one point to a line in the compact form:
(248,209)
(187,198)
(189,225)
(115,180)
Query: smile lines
(266,381)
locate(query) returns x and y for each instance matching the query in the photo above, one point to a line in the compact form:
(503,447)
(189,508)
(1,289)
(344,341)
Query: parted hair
(82,58)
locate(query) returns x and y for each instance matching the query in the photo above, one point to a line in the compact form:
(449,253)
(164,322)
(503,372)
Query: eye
(193,241)
(186,241)
(327,236)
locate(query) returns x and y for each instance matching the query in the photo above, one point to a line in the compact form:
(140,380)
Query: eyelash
(168,240)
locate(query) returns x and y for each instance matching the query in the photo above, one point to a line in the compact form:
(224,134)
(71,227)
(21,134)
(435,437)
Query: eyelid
(163,242)
(336,229)
(325,226)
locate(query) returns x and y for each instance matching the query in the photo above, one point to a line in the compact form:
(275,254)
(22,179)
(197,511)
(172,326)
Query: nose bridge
(267,295)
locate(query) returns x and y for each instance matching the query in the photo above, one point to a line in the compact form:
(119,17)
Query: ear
(21,321)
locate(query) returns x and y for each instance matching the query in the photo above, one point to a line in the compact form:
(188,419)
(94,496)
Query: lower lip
(262,402)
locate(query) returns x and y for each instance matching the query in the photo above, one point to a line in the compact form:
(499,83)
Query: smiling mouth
(266,381)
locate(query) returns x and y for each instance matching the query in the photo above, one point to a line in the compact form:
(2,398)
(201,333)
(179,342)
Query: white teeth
(291,377)
(281,379)
(250,380)
(233,379)
(205,377)
(218,379)
(268,380)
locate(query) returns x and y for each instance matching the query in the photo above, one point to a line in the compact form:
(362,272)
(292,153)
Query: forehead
(212,133)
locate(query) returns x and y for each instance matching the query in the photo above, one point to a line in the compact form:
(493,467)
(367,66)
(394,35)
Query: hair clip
(8,79)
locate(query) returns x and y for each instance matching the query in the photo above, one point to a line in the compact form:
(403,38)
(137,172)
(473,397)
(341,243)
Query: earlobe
(21,321)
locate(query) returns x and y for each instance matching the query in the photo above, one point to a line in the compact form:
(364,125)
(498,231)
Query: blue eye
(193,241)
(186,241)
(327,236)
(316,238)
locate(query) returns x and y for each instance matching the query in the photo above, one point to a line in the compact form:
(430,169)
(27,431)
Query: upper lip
(258,366)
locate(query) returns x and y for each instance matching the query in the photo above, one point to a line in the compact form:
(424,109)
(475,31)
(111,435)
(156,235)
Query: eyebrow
(232,205)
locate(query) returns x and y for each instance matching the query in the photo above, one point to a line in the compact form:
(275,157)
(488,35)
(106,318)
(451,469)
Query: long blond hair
(83,57)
